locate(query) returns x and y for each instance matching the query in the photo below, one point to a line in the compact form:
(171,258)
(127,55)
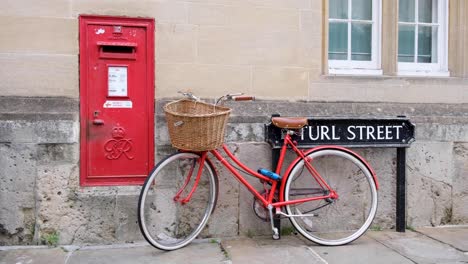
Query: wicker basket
(196,126)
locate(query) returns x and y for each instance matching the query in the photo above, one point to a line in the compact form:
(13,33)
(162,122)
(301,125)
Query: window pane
(427,10)
(338,41)
(406,11)
(362,9)
(406,43)
(338,9)
(361,41)
(427,44)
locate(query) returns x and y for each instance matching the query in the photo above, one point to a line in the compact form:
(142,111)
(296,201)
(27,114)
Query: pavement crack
(316,255)
(227,258)
(440,241)
(392,249)
(71,250)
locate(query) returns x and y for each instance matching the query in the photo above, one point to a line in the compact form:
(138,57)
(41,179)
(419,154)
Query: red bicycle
(329,193)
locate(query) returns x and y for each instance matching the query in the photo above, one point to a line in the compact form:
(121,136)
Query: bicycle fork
(189,176)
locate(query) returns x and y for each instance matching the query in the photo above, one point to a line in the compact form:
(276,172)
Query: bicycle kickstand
(275,230)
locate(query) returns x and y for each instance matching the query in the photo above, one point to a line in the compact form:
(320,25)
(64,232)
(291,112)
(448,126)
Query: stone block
(57,132)
(55,200)
(20,131)
(161,133)
(162,11)
(213,15)
(281,4)
(244,16)
(17,193)
(255,156)
(46,106)
(442,132)
(296,4)
(31,35)
(51,8)
(429,183)
(47,75)
(48,154)
(383,161)
(244,132)
(270,82)
(176,43)
(126,219)
(431,160)
(460,184)
(311,22)
(225,219)
(93,219)
(201,79)
(250,46)
(264,19)
(315,74)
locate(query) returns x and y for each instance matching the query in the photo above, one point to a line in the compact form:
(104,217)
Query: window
(422,37)
(354,37)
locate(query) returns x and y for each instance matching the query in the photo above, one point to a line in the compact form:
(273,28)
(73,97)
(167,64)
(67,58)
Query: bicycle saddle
(289,122)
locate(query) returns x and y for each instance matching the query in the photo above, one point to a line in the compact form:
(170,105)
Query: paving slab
(195,253)
(32,255)
(266,250)
(420,248)
(456,236)
(363,250)
(438,246)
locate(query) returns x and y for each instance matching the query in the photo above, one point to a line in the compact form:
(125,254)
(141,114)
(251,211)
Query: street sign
(351,132)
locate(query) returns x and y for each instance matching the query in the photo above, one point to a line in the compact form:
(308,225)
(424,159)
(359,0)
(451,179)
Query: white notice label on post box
(117,81)
(118,104)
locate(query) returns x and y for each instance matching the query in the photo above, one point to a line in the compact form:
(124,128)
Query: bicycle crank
(260,210)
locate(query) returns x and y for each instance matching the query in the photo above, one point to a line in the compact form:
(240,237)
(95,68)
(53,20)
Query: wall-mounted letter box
(116,100)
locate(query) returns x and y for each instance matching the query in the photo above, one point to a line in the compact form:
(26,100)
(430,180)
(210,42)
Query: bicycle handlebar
(227,97)
(244,98)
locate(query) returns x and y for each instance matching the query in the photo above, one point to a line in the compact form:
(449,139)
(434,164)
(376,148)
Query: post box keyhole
(96,120)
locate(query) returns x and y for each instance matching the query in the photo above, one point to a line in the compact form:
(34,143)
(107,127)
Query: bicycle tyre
(168,224)
(339,221)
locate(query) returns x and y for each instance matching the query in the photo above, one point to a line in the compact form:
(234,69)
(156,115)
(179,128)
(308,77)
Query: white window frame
(430,69)
(352,67)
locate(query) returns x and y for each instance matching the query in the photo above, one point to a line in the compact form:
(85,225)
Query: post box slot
(117,50)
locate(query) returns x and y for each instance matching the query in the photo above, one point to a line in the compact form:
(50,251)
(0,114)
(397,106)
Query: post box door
(117,100)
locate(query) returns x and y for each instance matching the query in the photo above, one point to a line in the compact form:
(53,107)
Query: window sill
(424,74)
(355,72)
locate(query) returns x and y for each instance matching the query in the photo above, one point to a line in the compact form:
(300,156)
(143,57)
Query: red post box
(116,100)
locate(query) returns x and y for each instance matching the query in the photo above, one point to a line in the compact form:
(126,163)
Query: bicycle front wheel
(331,222)
(167,221)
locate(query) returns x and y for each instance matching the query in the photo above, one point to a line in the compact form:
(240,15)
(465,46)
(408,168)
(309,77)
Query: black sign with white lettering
(352,132)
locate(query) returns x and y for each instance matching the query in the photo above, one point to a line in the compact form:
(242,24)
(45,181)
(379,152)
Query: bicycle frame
(288,142)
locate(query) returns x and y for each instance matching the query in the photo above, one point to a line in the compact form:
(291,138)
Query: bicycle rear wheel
(165,221)
(338,221)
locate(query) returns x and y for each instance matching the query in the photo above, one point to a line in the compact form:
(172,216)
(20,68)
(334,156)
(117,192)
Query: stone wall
(273,49)
(40,191)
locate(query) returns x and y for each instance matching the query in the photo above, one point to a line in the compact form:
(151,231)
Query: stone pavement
(425,245)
